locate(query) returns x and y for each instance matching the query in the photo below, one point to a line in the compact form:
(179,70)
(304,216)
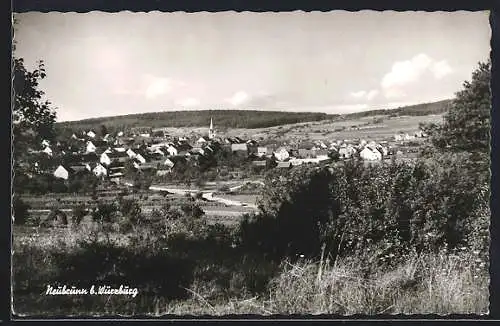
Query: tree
(466,126)
(104,130)
(33,118)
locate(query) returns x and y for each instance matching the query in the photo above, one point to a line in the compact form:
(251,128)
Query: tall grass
(437,283)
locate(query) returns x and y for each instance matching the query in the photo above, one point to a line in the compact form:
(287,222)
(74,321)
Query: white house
(198,150)
(99,170)
(281,154)
(382,149)
(108,150)
(159,151)
(61,173)
(105,159)
(398,137)
(45,143)
(74,136)
(140,158)
(201,140)
(119,149)
(91,134)
(239,147)
(168,163)
(145,135)
(90,147)
(370,154)
(48,151)
(172,151)
(131,153)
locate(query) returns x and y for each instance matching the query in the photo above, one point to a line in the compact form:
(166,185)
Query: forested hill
(239,118)
(222,118)
(412,110)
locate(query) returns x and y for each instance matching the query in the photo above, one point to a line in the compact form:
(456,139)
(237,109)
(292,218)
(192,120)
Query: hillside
(250,119)
(222,118)
(411,110)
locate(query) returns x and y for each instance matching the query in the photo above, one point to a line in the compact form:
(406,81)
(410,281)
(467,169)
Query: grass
(226,282)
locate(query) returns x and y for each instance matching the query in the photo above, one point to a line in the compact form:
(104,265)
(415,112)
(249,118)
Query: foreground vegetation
(405,237)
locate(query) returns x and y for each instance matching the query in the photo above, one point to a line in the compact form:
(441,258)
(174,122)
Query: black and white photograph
(243,163)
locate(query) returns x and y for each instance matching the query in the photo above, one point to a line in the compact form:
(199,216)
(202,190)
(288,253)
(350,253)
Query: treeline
(222,118)
(411,110)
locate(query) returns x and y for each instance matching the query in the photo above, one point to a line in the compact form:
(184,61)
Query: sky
(105,64)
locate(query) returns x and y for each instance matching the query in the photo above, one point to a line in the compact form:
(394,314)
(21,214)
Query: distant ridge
(240,118)
(438,107)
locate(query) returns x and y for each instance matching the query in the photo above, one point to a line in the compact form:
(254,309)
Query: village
(144,150)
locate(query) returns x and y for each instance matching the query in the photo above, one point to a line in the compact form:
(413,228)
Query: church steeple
(211,133)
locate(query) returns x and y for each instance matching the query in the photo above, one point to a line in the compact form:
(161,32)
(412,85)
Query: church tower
(211,132)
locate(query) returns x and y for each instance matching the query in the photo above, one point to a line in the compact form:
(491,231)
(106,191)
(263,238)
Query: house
(79,167)
(398,137)
(172,151)
(347,151)
(198,150)
(119,149)
(45,143)
(320,152)
(261,151)
(131,153)
(120,157)
(91,134)
(140,158)
(284,165)
(201,141)
(239,147)
(148,166)
(106,137)
(168,163)
(105,159)
(108,158)
(304,153)
(62,173)
(73,136)
(90,147)
(370,154)
(281,154)
(163,171)
(120,134)
(48,151)
(99,170)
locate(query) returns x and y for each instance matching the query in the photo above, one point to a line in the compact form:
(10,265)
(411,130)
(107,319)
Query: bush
(429,204)
(79,213)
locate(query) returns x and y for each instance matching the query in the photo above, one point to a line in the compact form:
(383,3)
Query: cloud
(158,86)
(368,95)
(409,72)
(441,69)
(188,102)
(238,98)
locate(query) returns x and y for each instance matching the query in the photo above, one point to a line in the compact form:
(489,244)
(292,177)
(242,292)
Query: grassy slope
(240,118)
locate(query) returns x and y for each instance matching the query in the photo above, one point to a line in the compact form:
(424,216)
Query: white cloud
(365,95)
(358,94)
(441,69)
(238,98)
(405,73)
(371,94)
(188,102)
(158,86)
